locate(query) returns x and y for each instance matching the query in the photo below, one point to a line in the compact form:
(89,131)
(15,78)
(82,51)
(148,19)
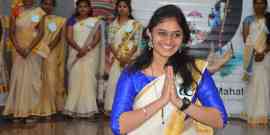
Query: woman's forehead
(168,23)
(259,1)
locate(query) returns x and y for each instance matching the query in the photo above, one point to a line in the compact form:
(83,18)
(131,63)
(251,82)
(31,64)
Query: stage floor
(61,126)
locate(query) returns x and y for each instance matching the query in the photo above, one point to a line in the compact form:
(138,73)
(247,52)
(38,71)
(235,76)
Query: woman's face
(167,37)
(123,9)
(47,5)
(84,9)
(259,7)
(28,2)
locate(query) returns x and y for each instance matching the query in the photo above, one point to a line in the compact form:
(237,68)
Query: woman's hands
(169,89)
(24,52)
(259,57)
(82,52)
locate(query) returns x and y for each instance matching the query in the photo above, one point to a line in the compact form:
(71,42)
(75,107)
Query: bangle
(185,104)
(145,112)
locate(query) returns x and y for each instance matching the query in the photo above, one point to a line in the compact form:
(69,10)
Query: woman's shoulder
(39,10)
(201,64)
(136,75)
(131,73)
(71,20)
(137,79)
(95,18)
(249,19)
(200,67)
(4,21)
(136,22)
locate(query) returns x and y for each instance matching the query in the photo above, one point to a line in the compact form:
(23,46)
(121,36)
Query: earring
(180,50)
(150,44)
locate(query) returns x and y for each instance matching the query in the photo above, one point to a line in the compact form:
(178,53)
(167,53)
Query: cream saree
(172,122)
(25,82)
(257,96)
(81,100)
(52,67)
(122,39)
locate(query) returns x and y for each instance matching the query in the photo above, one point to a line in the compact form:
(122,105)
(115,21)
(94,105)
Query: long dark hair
(1,30)
(54,2)
(181,62)
(77,5)
(267,20)
(128,2)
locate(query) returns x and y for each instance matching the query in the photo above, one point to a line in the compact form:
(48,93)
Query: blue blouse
(71,21)
(131,83)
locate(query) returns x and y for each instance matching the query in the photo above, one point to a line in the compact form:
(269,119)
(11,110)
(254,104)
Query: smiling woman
(146,100)
(124,36)
(25,82)
(83,36)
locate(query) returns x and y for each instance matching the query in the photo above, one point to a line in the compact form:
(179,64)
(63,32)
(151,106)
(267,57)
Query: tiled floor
(101,127)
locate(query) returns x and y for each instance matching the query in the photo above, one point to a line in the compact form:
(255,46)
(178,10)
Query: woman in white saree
(124,36)
(25,80)
(257,64)
(165,91)
(83,35)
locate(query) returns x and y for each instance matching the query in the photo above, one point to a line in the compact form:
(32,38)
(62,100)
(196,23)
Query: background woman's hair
(88,2)
(267,21)
(54,2)
(1,30)
(128,2)
(181,62)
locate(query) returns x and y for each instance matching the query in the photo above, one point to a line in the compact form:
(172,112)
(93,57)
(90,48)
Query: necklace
(155,89)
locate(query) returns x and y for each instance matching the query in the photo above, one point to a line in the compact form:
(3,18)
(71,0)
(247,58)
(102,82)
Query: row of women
(36,42)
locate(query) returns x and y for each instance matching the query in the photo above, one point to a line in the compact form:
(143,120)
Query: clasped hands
(83,51)
(169,89)
(259,56)
(24,52)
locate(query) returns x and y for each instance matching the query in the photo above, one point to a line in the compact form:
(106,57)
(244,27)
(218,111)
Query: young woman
(25,82)
(165,92)
(83,36)
(49,47)
(257,63)
(124,36)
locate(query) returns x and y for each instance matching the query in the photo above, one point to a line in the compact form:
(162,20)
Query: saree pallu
(172,121)
(53,25)
(122,39)
(25,82)
(52,67)
(4,39)
(257,96)
(81,99)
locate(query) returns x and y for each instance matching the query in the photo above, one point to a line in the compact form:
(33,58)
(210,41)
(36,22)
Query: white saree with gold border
(172,121)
